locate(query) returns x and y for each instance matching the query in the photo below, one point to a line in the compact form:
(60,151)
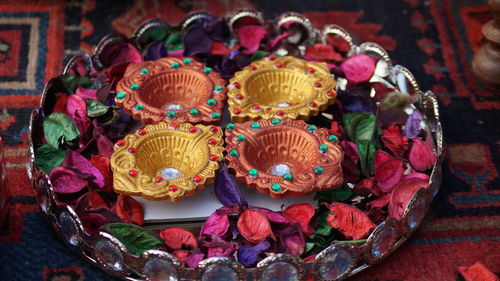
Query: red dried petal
(402,194)
(322,52)
(350,221)
(102,163)
(388,171)
(254,226)
(218,48)
(380,202)
(395,141)
(181,255)
(477,272)
(358,68)
(61,102)
(302,214)
(178,238)
(129,210)
(217,224)
(366,186)
(421,155)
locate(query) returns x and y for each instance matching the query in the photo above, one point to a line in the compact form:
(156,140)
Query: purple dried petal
(105,146)
(196,41)
(412,126)
(356,99)
(156,50)
(217,224)
(226,190)
(217,29)
(120,54)
(249,256)
(291,240)
(351,150)
(272,216)
(217,247)
(65,180)
(75,160)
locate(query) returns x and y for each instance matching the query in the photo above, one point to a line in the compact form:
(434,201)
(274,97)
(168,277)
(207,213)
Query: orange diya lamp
(280,87)
(284,157)
(167,161)
(172,89)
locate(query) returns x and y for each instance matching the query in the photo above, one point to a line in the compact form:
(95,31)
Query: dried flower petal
(65,180)
(121,53)
(249,256)
(216,224)
(272,216)
(74,160)
(349,220)
(102,163)
(401,196)
(302,214)
(226,190)
(368,186)
(250,36)
(388,171)
(86,93)
(193,260)
(178,238)
(394,141)
(412,126)
(351,150)
(156,50)
(323,52)
(254,226)
(358,68)
(291,240)
(421,155)
(217,247)
(477,272)
(136,239)
(129,210)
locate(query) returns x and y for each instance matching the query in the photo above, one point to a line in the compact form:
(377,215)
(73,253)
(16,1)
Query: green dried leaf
(59,128)
(95,108)
(47,158)
(341,194)
(72,82)
(135,239)
(322,226)
(174,42)
(362,129)
(395,100)
(366,156)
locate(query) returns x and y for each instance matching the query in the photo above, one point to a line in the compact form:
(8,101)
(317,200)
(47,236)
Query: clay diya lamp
(172,89)
(284,157)
(280,87)
(168,160)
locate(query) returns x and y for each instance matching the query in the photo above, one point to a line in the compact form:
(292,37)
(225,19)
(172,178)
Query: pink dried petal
(193,260)
(86,93)
(388,171)
(66,180)
(74,160)
(76,107)
(421,155)
(216,224)
(401,196)
(302,214)
(349,220)
(250,36)
(358,68)
(351,150)
(272,216)
(416,175)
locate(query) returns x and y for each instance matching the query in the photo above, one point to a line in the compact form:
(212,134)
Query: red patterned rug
(435,39)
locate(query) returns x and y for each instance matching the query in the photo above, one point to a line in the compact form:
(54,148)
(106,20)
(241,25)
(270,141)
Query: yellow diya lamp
(280,87)
(284,157)
(167,161)
(172,89)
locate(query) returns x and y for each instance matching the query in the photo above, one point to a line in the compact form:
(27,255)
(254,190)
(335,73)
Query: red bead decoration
(332,93)
(173,188)
(252,67)
(213,157)
(120,143)
(212,141)
(141,132)
(193,129)
(280,112)
(237,85)
(158,179)
(256,107)
(132,173)
(174,125)
(237,110)
(311,70)
(197,179)
(132,150)
(214,129)
(318,84)
(278,64)
(240,96)
(271,57)
(313,104)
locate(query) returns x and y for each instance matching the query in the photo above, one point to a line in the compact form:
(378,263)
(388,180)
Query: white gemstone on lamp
(174,107)
(170,173)
(284,104)
(280,170)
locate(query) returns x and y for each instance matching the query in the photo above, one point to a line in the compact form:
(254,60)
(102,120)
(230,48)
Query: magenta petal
(250,36)
(119,54)
(76,107)
(75,160)
(217,224)
(388,170)
(105,146)
(351,150)
(272,216)
(217,247)
(66,180)
(193,260)
(358,68)
(401,196)
(421,155)
(87,93)
(416,175)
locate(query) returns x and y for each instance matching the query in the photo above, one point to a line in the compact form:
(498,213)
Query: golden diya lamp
(168,160)
(280,87)
(284,157)
(172,89)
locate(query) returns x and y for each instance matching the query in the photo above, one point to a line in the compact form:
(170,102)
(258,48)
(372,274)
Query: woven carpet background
(435,39)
